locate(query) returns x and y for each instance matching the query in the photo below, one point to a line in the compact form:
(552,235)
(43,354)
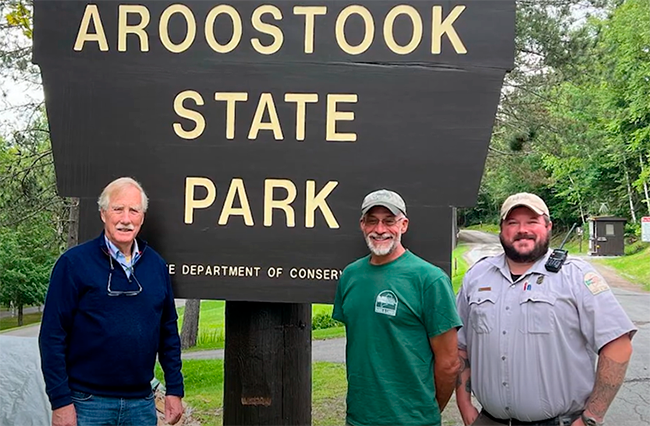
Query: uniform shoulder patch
(595,283)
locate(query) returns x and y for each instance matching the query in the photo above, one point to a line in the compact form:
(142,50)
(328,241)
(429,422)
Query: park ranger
(532,336)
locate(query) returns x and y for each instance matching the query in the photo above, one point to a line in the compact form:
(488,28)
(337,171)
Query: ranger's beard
(540,249)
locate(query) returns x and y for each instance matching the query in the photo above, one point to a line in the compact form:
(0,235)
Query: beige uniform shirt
(533,343)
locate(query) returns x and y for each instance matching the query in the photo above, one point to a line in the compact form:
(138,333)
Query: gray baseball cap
(385,198)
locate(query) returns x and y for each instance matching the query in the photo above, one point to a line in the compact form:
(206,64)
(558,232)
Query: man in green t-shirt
(401,322)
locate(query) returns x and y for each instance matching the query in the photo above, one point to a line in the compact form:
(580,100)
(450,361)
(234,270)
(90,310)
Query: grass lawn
(634,267)
(12,322)
(459,266)
(204,391)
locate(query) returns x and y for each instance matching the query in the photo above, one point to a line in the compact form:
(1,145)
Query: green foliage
(636,247)
(31,225)
(24,267)
(325,320)
(583,88)
(633,231)
(20,15)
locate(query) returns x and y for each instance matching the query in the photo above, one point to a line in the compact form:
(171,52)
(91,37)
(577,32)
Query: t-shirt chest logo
(386,303)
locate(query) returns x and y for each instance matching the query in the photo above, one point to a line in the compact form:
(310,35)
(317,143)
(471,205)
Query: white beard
(383,249)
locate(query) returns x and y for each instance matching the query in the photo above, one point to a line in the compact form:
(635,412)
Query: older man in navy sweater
(109,311)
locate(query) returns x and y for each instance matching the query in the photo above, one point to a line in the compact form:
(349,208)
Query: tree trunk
(582,211)
(645,183)
(190,329)
(73,223)
(629,195)
(20,315)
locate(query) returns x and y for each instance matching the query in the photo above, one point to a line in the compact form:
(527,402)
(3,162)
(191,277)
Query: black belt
(564,420)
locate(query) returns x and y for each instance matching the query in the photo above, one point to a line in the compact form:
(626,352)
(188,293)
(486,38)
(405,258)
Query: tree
(573,124)
(190,329)
(24,268)
(30,225)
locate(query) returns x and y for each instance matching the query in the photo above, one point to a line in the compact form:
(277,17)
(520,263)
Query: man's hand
(173,409)
(469,414)
(578,422)
(64,416)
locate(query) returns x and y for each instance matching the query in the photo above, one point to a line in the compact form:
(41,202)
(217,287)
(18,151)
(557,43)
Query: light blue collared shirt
(127,264)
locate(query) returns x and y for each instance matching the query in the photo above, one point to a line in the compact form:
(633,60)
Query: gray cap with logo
(385,198)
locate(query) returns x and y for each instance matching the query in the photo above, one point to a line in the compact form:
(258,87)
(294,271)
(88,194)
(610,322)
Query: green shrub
(635,247)
(633,230)
(322,321)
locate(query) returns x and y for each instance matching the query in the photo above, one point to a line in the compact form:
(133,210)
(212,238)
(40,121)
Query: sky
(14,95)
(15,91)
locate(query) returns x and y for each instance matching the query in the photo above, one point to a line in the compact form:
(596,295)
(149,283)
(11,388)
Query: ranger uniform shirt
(533,343)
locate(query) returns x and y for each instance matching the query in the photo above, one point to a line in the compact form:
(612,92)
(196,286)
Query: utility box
(606,236)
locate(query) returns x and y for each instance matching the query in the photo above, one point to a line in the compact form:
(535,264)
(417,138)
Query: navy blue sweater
(107,345)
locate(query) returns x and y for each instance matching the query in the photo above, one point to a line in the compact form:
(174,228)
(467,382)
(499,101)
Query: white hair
(118,185)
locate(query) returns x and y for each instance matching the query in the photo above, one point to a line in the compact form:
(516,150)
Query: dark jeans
(93,410)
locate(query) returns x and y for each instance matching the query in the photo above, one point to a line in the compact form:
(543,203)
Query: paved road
(27,331)
(477,237)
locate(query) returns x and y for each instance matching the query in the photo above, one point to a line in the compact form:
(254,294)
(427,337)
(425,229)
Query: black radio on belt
(557,258)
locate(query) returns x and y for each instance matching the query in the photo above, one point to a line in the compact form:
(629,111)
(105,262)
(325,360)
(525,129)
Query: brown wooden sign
(257,127)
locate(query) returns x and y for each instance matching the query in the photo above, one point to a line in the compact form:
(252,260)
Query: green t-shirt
(390,311)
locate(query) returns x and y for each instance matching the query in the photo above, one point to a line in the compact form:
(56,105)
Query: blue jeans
(94,410)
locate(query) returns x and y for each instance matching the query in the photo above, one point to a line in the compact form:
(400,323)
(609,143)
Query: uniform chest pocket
(482,309)
(537,310)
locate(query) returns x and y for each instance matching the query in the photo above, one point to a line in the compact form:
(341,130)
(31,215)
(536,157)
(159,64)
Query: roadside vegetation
(204,391)
(634,267)
(458,265)
(212,324)
(11,322)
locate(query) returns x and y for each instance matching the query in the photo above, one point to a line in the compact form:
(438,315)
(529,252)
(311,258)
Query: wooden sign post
(256,129)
